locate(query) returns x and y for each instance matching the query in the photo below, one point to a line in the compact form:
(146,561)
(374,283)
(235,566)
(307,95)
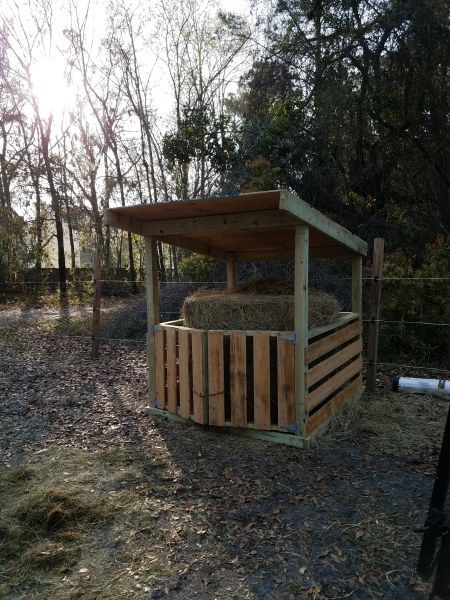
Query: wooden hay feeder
(206,376)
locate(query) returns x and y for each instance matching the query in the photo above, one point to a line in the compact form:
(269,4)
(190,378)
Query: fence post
(374,314)
(97,275)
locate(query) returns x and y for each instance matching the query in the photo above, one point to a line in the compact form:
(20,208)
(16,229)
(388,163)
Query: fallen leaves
(233,518)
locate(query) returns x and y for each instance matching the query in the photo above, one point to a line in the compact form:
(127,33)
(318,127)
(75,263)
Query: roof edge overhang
(275,208)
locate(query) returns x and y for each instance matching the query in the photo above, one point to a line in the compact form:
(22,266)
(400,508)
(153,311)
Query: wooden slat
(261,380)
(184,375)
(344,319)
(320,393)
(172,387)
(238,373)
(199,382)
(331,363)
(230,222)
(332,341)
(326,411)
(285,369)
(216,379)
(160,371)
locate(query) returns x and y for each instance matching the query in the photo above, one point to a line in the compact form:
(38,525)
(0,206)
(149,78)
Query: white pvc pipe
(416,385)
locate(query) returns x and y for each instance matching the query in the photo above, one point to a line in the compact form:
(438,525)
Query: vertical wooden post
(301,321)
(97,284)
(152,292)
(231,272)
(357,284)
(374,313)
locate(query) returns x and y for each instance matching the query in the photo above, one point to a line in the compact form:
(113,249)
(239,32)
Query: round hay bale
(251,309)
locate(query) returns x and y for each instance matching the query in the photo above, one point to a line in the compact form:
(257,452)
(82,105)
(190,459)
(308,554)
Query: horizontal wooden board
(331,385)
(325,367)
(160,211)
(332,341)
(326,411)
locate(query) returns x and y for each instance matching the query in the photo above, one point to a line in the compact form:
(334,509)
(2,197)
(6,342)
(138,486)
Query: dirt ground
(97,500)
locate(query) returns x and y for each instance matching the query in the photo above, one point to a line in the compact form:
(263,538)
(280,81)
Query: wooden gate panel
(261,380)
(216,390)
(238,383)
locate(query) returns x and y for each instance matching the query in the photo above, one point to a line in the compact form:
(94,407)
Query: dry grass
(53,517)
(266,304)
(390,422)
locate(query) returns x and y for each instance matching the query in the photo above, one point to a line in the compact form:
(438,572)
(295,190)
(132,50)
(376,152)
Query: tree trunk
(56,206)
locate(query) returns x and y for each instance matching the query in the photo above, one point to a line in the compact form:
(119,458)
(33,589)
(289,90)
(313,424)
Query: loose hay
(266,304)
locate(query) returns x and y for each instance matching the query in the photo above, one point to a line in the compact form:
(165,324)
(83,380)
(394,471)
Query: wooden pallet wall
(334,373)
(191,377)
(246,379)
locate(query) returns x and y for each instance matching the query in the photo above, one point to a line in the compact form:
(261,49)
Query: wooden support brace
(301,321)
(231,273)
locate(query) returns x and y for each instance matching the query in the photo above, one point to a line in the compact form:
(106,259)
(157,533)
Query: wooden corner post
(231,272)
(152,293)
(301,321)
(97,283)
(374,314)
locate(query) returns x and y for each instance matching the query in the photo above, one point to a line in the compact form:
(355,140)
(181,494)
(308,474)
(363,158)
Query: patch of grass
(55,512)
(405,423)
(69,523)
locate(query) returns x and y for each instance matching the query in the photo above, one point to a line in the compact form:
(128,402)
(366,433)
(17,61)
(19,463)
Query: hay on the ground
(257,305)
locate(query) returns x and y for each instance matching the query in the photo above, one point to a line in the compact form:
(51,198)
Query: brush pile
(260,304)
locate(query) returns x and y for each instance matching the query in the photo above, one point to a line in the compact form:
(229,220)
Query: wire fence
(131,321)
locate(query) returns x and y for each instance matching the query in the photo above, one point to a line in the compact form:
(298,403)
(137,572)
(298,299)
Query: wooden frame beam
(246,220)
(289,254)
(193,245)
(121,222)
(307,214)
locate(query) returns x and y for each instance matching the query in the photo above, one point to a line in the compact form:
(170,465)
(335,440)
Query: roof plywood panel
(248,224)
(253,201)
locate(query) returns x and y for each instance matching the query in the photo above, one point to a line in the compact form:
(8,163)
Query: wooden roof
(252,226)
